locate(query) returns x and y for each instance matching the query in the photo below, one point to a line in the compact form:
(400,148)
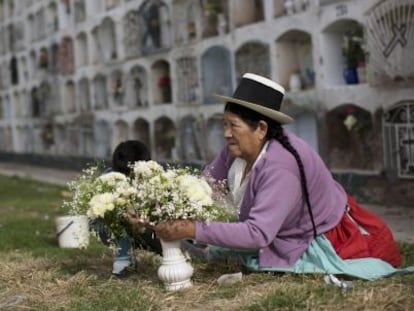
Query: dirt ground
(400,219)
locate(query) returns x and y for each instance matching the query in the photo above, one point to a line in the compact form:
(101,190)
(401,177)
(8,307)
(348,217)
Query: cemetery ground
(35,274)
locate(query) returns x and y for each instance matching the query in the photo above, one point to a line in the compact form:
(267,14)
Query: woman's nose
(226,133)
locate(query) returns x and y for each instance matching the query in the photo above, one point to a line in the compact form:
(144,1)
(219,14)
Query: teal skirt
(320,257)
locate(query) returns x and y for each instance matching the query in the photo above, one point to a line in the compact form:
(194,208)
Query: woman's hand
(131,218)
(175,229)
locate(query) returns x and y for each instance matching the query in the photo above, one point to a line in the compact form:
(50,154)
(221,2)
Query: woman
(293,216)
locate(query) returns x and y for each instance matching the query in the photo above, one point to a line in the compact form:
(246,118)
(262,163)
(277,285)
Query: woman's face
(242,140)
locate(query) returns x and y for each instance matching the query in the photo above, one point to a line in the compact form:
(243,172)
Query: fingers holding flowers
(132,218)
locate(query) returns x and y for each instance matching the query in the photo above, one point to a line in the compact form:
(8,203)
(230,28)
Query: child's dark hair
(128,152)
(275,131)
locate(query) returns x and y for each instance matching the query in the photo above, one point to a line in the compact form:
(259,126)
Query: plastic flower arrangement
(102,197)
(172,193)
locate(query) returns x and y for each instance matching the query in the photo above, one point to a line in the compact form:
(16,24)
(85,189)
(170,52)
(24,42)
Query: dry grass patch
(35,274)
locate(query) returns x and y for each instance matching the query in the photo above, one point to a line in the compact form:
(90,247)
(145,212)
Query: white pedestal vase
(175,271)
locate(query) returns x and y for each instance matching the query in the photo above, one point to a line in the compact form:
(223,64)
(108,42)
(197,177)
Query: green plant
(213,7)
(352,50)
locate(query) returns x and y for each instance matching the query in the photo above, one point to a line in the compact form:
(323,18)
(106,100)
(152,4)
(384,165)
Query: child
(126,153)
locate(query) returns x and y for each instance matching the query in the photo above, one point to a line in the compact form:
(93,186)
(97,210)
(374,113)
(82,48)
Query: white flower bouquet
(173,193)
(102,197)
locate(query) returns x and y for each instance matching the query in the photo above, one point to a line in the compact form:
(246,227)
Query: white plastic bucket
(72,231)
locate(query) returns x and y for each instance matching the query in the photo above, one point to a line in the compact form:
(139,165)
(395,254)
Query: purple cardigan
(273,215)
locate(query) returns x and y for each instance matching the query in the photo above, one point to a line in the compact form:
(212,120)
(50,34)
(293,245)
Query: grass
(35,274)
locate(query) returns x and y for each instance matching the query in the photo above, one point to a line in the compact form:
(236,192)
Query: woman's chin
(234,151)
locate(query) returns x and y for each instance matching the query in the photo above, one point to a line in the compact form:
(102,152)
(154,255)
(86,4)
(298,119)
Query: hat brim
(273,114)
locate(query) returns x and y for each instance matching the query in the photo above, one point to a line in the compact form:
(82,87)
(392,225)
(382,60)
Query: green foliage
(352,45)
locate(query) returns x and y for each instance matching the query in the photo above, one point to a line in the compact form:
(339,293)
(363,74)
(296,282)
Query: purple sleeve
(263,212)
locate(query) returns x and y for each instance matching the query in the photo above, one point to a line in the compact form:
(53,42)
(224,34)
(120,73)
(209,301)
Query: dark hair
(275,131)
(128,152)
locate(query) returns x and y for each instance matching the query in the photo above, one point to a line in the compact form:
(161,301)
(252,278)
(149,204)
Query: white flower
(100,204)
(174,193)
(112,178)
(196,189)
(146,168)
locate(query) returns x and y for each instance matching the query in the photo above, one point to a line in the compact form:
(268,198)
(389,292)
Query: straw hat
(259,94)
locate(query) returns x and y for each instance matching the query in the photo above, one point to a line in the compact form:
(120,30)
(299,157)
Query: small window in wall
(187,80)
(73,139)
(215,18)
(35,103)
(162,82)
(252,57)
(47,136)
(43,61)
(103,138)
(117,88)
(398,125)
(14,71)
(66,56)
(54,60)
(45,99)
(84,95)
(193,20)
(141,132)
(17,105)
(137,88)
(131,33)
(82,50)
(215,138)
(107,39)
(295,58)
(278,8)
(97,53)
(33,64)
(351,132)
(23,69)
(100,92)
(52,18)
(87,141)
(70,97)
(165,136)
(19,36)
(110,4)
(343,55)
(216,71)
(120,132)
(80,11)
(155,26)
(189,138)
(248,12)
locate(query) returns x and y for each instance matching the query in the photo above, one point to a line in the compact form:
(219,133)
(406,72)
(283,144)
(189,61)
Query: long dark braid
(275,131)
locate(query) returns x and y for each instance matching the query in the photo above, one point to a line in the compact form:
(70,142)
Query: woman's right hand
(175,229)
(132,219)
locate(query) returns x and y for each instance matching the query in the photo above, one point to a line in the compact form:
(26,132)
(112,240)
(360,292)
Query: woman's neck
(250,162)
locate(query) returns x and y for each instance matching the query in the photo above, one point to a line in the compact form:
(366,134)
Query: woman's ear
(262,129)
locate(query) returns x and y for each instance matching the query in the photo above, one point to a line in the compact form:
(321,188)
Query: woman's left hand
(175,229)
